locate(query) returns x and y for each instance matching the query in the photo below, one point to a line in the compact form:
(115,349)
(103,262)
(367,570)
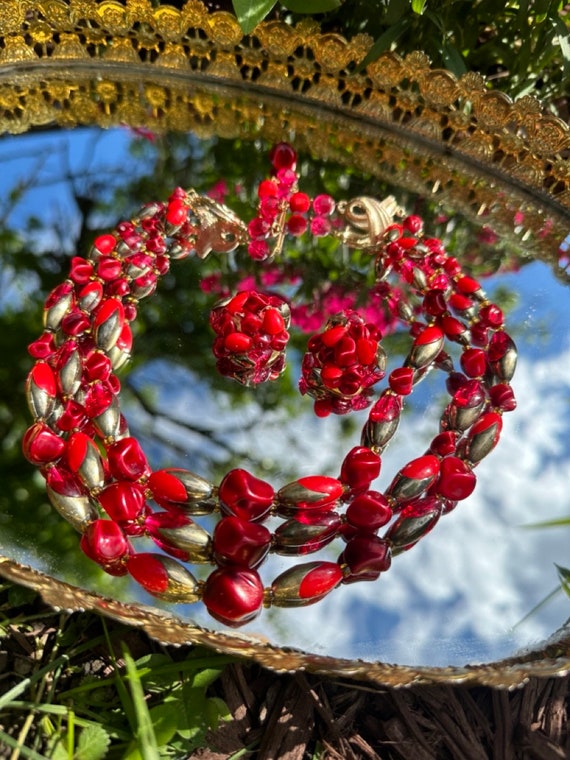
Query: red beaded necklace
(98,477)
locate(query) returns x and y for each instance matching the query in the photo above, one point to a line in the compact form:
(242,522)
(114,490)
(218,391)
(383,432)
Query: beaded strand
(99,479)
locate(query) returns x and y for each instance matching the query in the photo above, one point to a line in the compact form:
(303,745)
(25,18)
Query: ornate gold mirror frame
(69,63)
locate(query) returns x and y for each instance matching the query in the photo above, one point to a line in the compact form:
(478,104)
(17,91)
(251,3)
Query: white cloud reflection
(457,595)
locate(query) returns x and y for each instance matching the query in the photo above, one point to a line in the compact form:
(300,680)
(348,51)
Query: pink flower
(212,283)
(219,191)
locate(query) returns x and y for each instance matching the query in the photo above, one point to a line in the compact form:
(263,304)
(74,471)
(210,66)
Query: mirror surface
(459,595)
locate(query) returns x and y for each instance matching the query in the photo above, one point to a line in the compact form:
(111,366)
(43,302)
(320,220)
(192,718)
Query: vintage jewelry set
(99,479)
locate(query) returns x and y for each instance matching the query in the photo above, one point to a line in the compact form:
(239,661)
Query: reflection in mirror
(458,594)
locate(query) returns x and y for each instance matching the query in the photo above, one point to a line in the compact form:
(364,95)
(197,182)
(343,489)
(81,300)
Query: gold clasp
(219,229)
(367,220)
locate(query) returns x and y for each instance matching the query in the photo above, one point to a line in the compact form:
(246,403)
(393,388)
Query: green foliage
(144,709)
(522,46)
(564,576)
(250,12)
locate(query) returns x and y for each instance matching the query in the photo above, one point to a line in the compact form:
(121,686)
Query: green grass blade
(25,683)
(144,734)
(29,754)
(559,522)
(548,598)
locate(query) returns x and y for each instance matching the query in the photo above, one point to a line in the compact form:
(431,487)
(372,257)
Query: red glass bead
(240,542)
(451,266)
(84,459)
(320,226)
(387,409)
(299,203)
(130,312)
(297,225)
(444,444)
(434,302)
(63,482)
(479,334)
(81,271)
(470,395)
(365,558)
(483,436)
(491,315)
(245,496)
(97,366)
(286,178)
(456,479)
(138,265)
(305,584)
(427,345)
(144,286)
(453,328)
(125,340)
(237,342)
(179,536)
(62,292)
(90,295)
(360,467)
(414,478)
(309,534)
(233,595)
(176,212)
(401,380)
(163,577)
(369,511)
(43,347)
(108,322)
(266,189)
(323,205)
(474,362)
(311,492)
(98,398)
(68,367)
(502,355)
(127,460)
(122,501)
(435,246)
(105,244)
(331,335)
(178,193)
(455,381)
(105,543)
(41,445)
(383,421)
(467,285)
(413,224)
(283,156)
(41,388)
(503,397)
(109,268)
(460,303)
(72,417)
(161,263)
(417,519)
(273,322)
(174,488)
(75,323)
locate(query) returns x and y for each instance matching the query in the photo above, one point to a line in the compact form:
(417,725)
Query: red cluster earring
(251,336)
(341,365)
(100,480)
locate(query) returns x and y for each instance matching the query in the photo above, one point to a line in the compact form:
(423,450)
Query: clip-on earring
(342,363)
(251,336)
